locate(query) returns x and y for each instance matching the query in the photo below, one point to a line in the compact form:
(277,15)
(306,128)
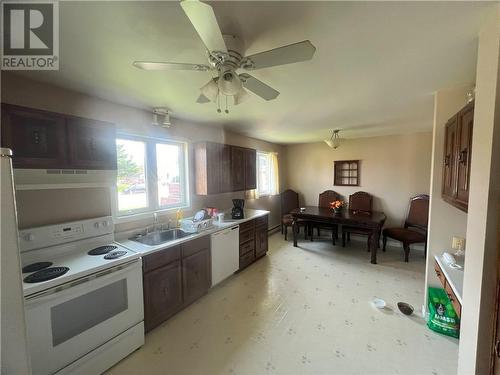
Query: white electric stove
(83,297)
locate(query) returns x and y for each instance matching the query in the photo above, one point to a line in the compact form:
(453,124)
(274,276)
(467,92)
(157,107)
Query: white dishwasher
(225,248)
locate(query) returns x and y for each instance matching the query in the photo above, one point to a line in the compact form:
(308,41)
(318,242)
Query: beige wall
(393,169)
(481,254)
(33,205)
(445,221)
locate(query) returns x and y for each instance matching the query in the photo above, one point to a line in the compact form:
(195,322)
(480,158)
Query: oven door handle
(103,275)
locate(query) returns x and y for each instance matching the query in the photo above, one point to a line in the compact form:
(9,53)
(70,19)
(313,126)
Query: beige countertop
(218,226)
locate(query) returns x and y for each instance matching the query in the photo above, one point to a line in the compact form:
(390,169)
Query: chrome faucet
(155,221)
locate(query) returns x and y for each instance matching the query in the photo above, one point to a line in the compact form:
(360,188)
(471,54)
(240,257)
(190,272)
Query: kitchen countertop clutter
(217,226)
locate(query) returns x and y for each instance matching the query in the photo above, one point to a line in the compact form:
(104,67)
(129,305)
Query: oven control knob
(105,223)
(97,224)
(29,237)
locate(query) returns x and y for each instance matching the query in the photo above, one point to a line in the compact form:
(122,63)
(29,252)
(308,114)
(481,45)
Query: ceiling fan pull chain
(218,104)
(226,106)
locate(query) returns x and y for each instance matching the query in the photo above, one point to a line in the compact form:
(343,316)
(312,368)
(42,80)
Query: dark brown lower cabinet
(173,278)
(162,293)
(253,240)
(195,276)
(261,244)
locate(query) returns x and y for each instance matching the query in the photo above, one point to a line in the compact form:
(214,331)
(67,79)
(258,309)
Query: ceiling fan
(226,56)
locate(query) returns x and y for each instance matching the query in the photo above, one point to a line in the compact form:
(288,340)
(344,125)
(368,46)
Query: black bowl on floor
(405,308)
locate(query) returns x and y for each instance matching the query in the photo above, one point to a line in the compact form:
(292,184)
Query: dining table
(371,221)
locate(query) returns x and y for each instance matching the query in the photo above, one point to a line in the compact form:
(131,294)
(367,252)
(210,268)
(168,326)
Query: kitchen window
(151,175)
(267,173)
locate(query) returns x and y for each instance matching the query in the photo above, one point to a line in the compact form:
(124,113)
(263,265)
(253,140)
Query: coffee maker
(237,211)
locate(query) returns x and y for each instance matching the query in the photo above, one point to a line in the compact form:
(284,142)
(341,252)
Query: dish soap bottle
(178,217)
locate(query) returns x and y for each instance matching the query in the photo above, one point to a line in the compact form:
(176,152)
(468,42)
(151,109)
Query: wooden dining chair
(360,203)
(324,200)
(326,197)
(289,201)
(415,227)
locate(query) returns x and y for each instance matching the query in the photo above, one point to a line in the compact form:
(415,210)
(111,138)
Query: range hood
(34,179)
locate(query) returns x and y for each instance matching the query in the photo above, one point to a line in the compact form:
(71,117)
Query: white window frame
(268,156)
(151,180)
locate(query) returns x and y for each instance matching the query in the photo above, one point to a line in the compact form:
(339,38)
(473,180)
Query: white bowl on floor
(379,303)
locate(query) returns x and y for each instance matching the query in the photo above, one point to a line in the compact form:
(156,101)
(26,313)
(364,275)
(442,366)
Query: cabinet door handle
(462,157)
(497,348)
(165,291)
(447,160)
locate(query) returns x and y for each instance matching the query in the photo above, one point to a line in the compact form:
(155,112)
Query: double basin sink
(160,237)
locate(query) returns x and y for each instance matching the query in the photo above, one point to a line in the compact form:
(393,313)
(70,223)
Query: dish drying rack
(190,225)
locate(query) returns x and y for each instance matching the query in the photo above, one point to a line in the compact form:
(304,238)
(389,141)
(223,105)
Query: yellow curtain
(275,174)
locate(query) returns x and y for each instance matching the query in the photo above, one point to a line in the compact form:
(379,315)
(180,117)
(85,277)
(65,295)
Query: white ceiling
(374,70)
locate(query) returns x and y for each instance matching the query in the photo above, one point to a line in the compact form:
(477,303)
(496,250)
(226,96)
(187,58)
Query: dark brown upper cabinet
(226,184)
(238,168)
(47,140)
(207,160)
(449,162)
(221,168)
(457,157)
(92,144)
(250,169)
(37,138)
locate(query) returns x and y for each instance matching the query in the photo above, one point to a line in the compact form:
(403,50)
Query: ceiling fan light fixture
(210,90)
(229,82)
(241,96)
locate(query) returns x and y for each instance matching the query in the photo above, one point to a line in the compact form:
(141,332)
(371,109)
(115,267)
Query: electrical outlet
(458,243)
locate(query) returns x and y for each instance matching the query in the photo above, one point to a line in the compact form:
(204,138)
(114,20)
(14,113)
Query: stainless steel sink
(160,237)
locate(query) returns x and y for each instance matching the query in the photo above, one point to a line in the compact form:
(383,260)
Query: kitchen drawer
(247,247)
(439,273)
(247,225)
(195,246)
(247,235)
(246,259)
(161,258)
(261,221)
(453,299)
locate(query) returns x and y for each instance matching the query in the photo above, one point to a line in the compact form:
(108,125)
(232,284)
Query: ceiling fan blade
(202,17)
(292,53)
(151,65)
(202,99)
(257,87)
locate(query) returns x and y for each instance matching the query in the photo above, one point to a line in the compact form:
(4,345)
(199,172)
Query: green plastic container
(442,316)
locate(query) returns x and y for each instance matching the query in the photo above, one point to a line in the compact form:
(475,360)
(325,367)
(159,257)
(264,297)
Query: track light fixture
(159,112)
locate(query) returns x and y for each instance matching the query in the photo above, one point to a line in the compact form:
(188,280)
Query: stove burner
(46,274)
(101,250)
(33,267)
(114,254)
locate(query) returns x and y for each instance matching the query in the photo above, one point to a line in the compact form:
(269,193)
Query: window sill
(145,215)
